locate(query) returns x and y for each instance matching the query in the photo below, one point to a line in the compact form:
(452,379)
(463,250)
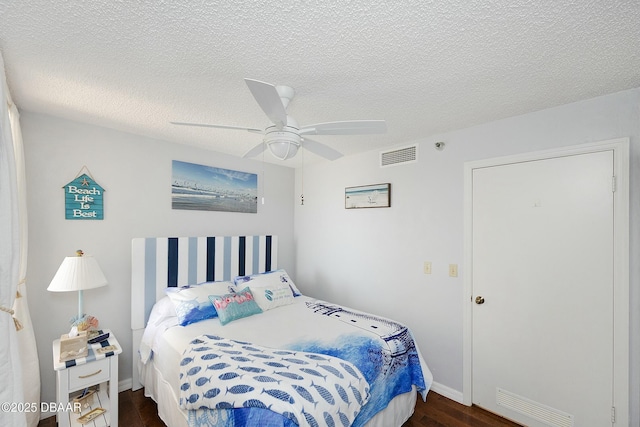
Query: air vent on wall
(399,156)
(545,414)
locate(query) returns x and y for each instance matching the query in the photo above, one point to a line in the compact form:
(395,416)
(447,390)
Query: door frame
(620,149)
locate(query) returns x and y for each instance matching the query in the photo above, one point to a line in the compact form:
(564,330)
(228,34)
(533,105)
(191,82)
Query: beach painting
(207,188)
(368,196)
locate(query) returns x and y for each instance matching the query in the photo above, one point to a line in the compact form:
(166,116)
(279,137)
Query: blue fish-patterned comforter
(306,388)
(382,350)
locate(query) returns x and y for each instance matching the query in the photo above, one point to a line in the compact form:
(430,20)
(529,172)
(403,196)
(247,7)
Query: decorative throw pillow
(235,306)
(271,278)
(192,301)
(269,297)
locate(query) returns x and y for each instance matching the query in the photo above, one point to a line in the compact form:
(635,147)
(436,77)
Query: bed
(268,355)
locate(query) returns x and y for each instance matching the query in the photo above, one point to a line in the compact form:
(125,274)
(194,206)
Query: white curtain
(26,336)
(19,366)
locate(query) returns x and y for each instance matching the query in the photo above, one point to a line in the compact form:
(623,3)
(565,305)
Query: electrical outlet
(453,270)
(427,267)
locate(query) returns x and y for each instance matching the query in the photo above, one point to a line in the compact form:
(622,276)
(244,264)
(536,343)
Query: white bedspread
(390,362)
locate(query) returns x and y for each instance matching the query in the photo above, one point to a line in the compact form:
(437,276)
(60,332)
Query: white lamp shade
(77,273)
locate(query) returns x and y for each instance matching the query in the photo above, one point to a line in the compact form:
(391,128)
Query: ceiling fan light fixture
(283,150)
(283,144)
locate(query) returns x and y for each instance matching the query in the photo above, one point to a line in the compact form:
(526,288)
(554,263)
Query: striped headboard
(161,262)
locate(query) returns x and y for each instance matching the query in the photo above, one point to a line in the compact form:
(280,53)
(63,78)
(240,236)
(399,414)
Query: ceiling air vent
(399,156)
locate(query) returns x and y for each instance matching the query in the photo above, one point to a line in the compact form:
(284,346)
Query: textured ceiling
(425,67)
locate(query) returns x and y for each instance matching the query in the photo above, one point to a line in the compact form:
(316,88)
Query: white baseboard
(447,392)
(124,385)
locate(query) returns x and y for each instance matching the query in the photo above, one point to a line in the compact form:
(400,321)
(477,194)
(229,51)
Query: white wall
(136,174)
(372,259)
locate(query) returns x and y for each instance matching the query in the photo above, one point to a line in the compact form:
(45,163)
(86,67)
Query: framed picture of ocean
(207,188)
(368,196)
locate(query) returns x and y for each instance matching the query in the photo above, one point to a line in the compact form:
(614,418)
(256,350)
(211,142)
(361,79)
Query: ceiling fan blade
(255,150)
(352,127)
(269,100)
(321,149)
(218,126)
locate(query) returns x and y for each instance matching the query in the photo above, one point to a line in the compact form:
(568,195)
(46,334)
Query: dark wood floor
(438,411)
(139,411)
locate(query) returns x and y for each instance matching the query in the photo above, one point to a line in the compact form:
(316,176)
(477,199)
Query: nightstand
(99,369)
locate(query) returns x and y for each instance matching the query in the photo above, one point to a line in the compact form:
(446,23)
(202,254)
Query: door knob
(479,300)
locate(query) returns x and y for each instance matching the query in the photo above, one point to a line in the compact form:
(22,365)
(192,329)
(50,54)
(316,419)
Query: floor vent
(399,156)
(537,411)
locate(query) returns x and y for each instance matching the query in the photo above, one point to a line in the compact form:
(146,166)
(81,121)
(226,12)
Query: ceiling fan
(284,136)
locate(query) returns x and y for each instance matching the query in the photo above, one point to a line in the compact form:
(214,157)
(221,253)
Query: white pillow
(271,278)
(269,297)
(162,310)
(192,302)
(162,317)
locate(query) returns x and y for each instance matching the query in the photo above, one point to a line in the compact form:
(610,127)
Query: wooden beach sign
(83,199)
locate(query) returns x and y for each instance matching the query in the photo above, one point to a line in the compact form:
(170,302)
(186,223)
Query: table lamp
(78,273)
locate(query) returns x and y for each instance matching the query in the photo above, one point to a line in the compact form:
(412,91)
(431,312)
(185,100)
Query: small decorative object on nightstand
(73,347)
(87,387)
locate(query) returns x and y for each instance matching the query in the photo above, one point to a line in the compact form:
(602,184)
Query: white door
(542,273)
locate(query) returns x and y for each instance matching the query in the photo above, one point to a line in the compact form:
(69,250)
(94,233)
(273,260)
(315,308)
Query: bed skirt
(157,388)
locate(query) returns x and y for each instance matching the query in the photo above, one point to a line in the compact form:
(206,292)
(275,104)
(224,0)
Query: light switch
(427,267)
(453,270)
